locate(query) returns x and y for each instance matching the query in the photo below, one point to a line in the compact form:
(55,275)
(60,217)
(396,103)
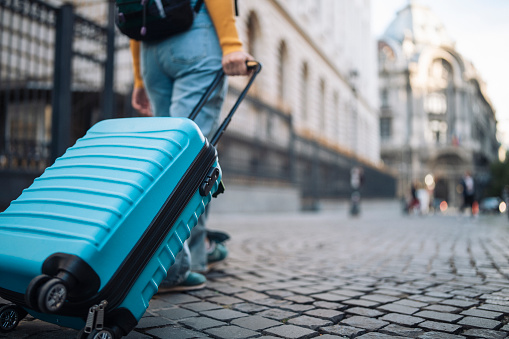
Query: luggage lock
(209,181)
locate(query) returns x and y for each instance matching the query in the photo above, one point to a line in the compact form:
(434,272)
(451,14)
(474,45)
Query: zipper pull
(95,318)
(89,326)
(99,323)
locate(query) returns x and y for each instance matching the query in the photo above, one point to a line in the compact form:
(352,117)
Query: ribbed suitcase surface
(98,199)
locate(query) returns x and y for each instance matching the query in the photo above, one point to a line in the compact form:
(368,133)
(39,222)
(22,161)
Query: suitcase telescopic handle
(255,67)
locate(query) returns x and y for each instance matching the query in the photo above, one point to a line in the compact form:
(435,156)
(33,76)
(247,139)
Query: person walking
(170,76)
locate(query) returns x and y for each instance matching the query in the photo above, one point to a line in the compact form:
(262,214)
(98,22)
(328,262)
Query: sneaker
(194,281)
(216,254)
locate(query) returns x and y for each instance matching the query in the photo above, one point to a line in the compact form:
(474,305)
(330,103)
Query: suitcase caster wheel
(52,296)
(10,316)
(32,292)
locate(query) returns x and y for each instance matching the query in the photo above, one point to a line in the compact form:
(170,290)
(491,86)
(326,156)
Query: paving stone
(297,307)
(365,322)
(330,336)
(330,305)
(402,319)
(348,293)
(201,323)
(329,297)
(483,314)
(411,303)
(148,322)
(367,312)
(398,309)
(255,322)
(439,335)
(438,326)
(251,296)
(309,322)
(425,298)
(361,302)
(379,336)
(407,332)
(485,334)
(460,303)
(224,314)
(300,299)
(343,330)
(175,333)
(480,322)
(447,317)
(177,313)
(201,306)
(327,314)
(226,300)
(277,314)
(495,308)
(380,298)
(131,335)
(231,332)
(178,298)
(290,332)
(249,308)
(442,308)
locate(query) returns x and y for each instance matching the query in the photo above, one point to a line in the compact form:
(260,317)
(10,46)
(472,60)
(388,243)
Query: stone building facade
(436,118)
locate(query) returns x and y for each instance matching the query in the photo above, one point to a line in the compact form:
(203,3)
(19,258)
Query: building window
(322,113)
(384,97)
(385,128)
(436,103)
(437,131)
(283,71)
(304,92)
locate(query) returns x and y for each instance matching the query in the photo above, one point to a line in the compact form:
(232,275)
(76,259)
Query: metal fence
(57,79)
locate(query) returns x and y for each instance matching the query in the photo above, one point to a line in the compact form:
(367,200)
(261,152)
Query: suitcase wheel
(32,292)
(52,295)
(10,316)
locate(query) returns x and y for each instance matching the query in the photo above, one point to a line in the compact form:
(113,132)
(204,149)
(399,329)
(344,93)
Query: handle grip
(255,67)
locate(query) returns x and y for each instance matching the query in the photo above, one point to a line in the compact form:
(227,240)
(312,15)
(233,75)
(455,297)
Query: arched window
(304,83)
(282,72)
(322,113)
(253,34)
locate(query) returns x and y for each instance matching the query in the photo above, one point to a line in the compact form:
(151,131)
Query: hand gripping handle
(255,67)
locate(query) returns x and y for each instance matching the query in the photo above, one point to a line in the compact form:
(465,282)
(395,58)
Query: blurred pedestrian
(356,181)
(171,76)
(468,185)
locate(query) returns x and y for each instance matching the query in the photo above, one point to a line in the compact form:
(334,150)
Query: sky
(481,31)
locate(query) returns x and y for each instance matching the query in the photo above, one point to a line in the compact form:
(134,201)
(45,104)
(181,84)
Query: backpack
(151,20)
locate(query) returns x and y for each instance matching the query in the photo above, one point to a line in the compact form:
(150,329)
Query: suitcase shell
(123,199)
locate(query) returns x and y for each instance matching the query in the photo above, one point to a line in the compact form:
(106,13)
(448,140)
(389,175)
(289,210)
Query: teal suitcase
(88,243)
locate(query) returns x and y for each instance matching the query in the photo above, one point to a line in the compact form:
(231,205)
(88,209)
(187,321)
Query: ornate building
(436,118)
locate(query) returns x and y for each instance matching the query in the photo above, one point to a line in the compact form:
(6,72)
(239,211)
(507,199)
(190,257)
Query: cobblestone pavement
(382,275)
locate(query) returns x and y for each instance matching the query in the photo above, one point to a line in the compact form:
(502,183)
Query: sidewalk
(304,275)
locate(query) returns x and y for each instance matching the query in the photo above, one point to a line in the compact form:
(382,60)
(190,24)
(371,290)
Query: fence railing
(57,78)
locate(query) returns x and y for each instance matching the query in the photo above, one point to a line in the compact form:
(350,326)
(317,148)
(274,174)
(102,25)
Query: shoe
(217,254)
(194,281)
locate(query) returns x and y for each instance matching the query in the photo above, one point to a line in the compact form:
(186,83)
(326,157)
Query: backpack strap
(198,5)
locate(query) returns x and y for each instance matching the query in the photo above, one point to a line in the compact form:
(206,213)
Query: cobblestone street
(381,275)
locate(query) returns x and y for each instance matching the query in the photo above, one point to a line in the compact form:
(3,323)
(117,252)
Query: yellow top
(222,13)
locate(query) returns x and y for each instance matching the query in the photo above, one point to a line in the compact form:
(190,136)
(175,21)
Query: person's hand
(140,102)
(234,63)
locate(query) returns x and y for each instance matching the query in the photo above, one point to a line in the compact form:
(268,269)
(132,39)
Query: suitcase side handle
(255,67)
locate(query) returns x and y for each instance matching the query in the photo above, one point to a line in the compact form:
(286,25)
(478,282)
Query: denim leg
(176,72)
(178,272)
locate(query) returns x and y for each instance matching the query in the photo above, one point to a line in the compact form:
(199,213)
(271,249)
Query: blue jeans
(176,72)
